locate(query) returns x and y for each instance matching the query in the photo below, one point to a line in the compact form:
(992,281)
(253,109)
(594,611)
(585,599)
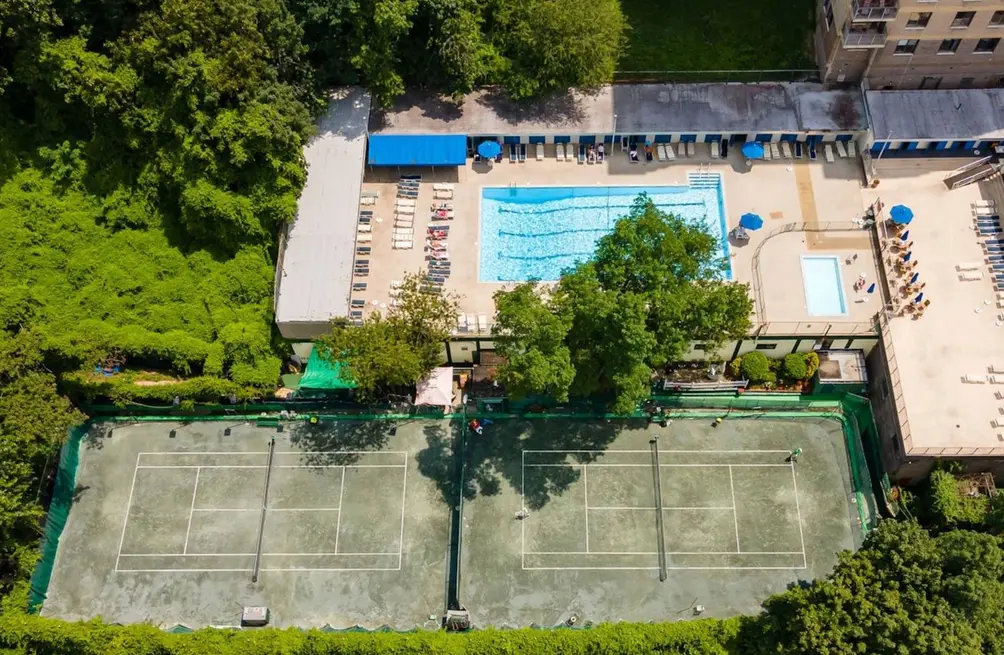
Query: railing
(753,76)
(874,10)
(815,328)
(898,402)
(857,36)
(811,327)
(723,385)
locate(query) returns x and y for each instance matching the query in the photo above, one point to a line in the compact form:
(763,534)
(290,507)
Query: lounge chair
(364,250)
(404,210)
(775,152)
(442,215)
(786,149)
(443,194)
(540,152)
(364,238)
(812,151)
(442,186)
(367,200)
(828,153)
(691,149)
(359,286)
(766,151)
(716,151)
(968,266)
(985,211)
(670,155)
(472,322)
(633,156)
(403,245)
(985,203)
(461,323)
(405,202)
(852,148)
(841,150)
(971,277)
(483,323)
(512,153)
(660,152)
(724,148)
(522,153)
(559,151)
(407,193)
(798,150)
(364,229)
(582,153)
(648,153)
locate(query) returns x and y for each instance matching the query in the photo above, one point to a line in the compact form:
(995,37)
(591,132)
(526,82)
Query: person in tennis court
(793,457)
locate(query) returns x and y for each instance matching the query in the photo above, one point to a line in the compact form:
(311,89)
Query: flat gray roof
(316,266)
(927,114)
(640,109)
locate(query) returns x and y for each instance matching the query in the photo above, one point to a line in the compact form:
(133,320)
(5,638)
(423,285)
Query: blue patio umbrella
(905,236)
(752,150)
(871,288)
(751,221)
(907,256)
(920,296)
(913,279)
(901,214)
(489,149)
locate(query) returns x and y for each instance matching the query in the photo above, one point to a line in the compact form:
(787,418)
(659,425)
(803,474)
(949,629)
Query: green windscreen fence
(59,512)
(323,374)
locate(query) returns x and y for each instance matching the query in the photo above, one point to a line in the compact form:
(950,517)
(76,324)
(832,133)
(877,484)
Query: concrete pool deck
(784,192)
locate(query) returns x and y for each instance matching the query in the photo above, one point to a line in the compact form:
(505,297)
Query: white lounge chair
(852,148)
(715,150)
(660,152)
(970,266)
(442,186)
(786,149)
(766,151)
(985,203)
(364,229)
(472,322)
(364,238)
(976,378)
(995,379)
(540,152)
(828,153)
(443,194)
(404,210)
(483,323)
(775,151)
(461,323)
(670,155)
(406,202)
(996,368)
(691,149)
(367,200)
(841,151)
(559,151)
(984,211)
(971,277)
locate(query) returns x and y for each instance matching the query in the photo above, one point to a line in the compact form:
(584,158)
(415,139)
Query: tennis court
(169,525)
(722,514)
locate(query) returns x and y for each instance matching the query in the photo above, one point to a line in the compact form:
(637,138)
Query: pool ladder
(704,179)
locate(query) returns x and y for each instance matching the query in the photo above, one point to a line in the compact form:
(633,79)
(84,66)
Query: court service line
(652,509)
(191,510)
(270,509)
(656,568)
(125,521)
(786,452)
(252,554)
(798,510)
(338,522)
(280,466)
(675,552)
(574,464)
(522,505)
(278,452)
(293,568)
(735,513)
(585,492)
(404,498)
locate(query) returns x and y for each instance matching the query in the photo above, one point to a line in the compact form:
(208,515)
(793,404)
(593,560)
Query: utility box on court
(253,617)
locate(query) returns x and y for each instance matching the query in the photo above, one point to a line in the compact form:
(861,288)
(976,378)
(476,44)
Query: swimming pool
(537,232)
(824,287)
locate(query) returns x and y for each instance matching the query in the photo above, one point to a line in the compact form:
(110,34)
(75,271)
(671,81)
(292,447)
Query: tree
(531,338)
(396,350)
(546,47)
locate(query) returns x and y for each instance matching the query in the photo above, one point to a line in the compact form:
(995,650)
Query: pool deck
(962,332)
(783,192)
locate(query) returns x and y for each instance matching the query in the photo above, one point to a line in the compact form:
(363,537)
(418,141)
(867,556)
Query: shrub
(811,364)
(755,367)
(735,368)
(794,367)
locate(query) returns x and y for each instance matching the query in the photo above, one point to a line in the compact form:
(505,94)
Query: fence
(727,76)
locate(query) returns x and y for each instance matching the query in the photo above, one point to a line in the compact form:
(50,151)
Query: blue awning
(417,150)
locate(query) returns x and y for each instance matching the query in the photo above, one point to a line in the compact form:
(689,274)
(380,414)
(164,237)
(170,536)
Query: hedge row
(34,635)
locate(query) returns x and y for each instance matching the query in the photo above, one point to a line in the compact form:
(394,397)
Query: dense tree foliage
(397,349)
(652,287)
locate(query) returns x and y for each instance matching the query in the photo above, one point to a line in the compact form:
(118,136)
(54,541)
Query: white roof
(316,266)
(929,114)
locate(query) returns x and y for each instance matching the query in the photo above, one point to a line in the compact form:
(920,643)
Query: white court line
(280,466)
(735,514)
(585,492)
(125,521)
(253,554)
(677,552)
(280,452)
(656,568)
(786,452)
(652,509)
(191,510)
(292,568)
(801,537)
(270,509)
(575,464)
(338,522)
(522,523)
(404,498)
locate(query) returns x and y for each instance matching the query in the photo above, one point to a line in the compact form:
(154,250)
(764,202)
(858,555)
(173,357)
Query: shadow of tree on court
(79,491)
(339,443)
(496,456)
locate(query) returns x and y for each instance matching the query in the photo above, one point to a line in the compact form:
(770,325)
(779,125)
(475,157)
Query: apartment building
(912,44)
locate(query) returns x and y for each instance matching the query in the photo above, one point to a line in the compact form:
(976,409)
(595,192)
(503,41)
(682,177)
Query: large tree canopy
(652,287)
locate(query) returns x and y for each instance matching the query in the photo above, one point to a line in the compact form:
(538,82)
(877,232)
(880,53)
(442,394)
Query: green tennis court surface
(166,528)
(739,521)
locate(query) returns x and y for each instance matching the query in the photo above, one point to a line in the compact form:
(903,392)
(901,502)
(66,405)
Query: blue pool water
(537,232)
(824,287)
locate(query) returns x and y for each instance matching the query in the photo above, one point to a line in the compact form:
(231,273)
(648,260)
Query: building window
(997,20)
(985,46)
(701,346)
(963,19)
(766,346)
(905,47)
(966,82)
(918,21)
(828,13)
(949,46)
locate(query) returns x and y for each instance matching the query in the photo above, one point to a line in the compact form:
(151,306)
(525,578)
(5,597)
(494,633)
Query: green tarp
(322,374)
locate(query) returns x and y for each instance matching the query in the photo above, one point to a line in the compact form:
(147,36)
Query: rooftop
(315,267)
(930,114)
(961,333)
(639,109)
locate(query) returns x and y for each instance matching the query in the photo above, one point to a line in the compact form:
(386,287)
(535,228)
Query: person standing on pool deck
(793,457)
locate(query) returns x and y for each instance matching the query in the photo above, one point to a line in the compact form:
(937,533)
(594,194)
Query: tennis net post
(264,506)
(660,534)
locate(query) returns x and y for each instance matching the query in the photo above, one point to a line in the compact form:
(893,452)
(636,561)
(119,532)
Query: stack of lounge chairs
(442,191)
(403,236)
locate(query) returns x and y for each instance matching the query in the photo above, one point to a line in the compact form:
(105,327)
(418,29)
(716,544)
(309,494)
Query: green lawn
(717,35)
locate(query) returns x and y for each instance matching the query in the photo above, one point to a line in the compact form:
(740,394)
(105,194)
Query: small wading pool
(824,286)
